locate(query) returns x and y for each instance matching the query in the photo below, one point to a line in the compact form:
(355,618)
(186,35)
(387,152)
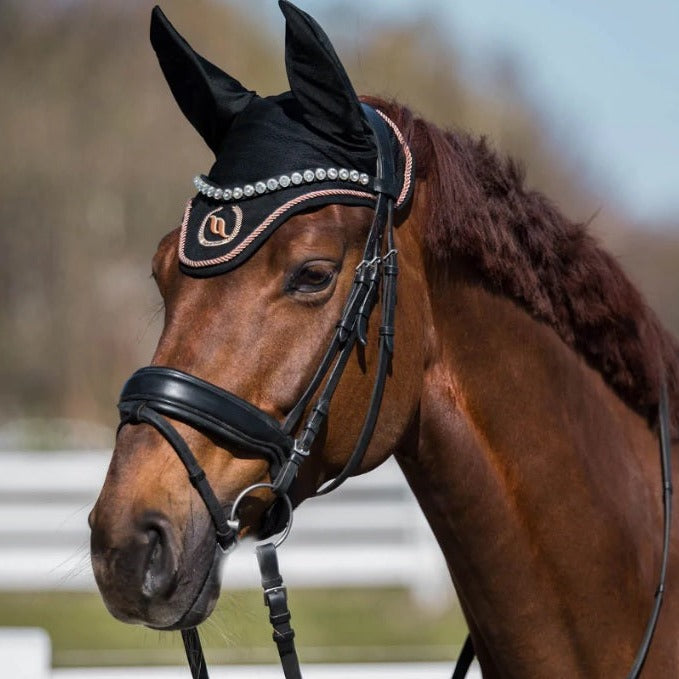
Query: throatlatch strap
(194,653)
(276,598)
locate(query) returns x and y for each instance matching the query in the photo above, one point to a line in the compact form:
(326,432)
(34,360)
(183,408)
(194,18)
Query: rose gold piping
(407,173)
(267,222)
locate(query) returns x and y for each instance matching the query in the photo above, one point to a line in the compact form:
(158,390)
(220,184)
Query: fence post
(25,653)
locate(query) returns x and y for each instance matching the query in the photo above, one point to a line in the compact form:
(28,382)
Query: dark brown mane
(524,248)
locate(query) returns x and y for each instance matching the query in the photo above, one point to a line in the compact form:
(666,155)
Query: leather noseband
(223,416)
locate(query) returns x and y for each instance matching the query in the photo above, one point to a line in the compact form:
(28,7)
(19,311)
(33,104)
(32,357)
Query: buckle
(271,592)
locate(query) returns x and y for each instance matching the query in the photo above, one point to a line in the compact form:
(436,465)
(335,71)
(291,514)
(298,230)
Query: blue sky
(603,73)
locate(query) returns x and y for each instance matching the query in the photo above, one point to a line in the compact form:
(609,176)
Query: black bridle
(155,393)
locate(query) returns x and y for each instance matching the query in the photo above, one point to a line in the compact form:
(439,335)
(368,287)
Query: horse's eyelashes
(311,277)
(314,278)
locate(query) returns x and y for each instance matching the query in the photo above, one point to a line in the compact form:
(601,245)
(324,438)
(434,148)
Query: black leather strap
(666,470)
(357,309)
(386,180)
(386,348)
(464,660)
(383,220)
(139,412)
(276,599)
(194,653)
(208,408)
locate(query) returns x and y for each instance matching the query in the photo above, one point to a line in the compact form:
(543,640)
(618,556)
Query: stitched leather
(208,408)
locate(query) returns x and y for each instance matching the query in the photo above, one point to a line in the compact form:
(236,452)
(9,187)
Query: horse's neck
(526,467)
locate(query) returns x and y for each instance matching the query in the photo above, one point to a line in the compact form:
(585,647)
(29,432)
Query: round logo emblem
(216,223)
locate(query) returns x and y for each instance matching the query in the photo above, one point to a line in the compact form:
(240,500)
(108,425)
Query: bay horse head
(268,287)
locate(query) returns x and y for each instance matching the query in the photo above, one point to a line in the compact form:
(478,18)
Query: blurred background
(97,164)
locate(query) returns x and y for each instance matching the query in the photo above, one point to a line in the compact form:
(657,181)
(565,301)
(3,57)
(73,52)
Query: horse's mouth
(204,603)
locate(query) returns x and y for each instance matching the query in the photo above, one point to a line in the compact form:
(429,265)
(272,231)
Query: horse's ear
(207,96)
(318,79)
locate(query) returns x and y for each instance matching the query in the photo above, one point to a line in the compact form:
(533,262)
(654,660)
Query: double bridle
(154,394)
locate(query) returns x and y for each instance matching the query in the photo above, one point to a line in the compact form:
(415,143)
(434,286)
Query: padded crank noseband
(153,394)
(223,416)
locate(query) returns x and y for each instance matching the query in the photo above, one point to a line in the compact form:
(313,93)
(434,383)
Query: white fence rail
(370,532)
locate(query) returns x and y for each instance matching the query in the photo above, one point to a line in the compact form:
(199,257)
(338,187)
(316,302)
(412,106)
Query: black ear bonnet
(278,155)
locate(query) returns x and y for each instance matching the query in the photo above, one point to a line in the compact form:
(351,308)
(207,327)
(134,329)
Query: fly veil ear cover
(274,156)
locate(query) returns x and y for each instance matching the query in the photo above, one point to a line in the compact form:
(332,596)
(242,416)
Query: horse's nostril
(159,565)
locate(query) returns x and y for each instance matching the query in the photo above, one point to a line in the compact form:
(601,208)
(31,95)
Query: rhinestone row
(276,183)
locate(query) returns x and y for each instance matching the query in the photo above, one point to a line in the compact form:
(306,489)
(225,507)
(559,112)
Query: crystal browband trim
(207,188)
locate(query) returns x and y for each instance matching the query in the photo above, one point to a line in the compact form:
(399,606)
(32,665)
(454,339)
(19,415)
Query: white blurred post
(25,653)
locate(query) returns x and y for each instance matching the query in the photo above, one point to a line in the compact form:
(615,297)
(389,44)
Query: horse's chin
(188,604)
(202,605)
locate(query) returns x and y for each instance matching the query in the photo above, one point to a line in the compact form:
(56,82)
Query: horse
(521,399)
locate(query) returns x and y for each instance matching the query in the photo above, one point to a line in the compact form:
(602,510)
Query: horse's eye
(312,277)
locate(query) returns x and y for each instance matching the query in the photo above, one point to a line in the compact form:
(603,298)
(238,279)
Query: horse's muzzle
(147,577)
